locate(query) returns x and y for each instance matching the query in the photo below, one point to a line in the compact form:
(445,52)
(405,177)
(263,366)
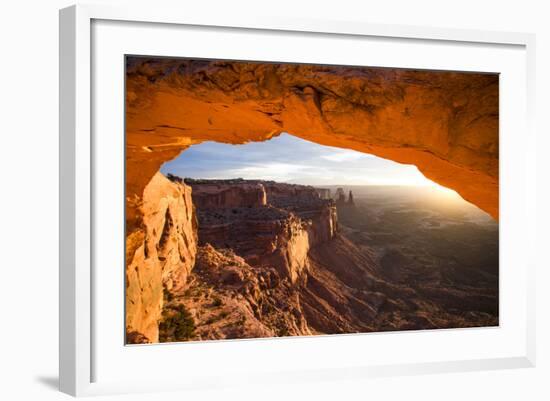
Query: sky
(286,158)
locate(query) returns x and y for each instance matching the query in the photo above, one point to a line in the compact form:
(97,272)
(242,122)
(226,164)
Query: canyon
(238,259)
(258,230)
(278,232)
(226,259)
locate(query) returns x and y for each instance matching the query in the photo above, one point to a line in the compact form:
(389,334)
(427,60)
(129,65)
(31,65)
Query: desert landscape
(286,251)
(276,259)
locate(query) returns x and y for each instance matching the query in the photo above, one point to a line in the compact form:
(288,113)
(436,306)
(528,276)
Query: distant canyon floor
(231,259)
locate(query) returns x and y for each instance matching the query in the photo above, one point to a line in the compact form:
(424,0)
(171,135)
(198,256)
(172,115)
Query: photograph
(301,200)
(276,199)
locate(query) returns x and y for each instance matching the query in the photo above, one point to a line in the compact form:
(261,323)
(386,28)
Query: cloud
(290,159)
(343,156)
(268,171)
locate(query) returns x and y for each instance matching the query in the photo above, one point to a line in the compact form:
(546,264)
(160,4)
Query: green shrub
(178,324)
(283,332)
(167,295)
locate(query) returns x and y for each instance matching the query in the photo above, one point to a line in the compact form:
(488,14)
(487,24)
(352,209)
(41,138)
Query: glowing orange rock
(445,123)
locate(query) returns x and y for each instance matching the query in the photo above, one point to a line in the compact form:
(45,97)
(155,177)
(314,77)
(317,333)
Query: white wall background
(29,197)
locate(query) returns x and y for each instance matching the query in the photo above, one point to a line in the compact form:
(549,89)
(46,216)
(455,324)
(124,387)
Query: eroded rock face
(445,123)
(306,202)
(160,255)
(214,194)
(243,301)
(263,235)
(278,233)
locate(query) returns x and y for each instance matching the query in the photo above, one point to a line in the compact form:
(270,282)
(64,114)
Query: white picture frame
(78,151)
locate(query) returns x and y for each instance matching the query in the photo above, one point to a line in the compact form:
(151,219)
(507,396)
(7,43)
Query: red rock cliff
(305,201)
(228,194)
(279,233)
(160,254)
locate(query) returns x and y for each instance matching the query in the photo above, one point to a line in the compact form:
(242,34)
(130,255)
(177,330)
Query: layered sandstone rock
(279,233)
(281,194)
(160,255)
(211,194)
(306,202)
(262,236)
(445,123)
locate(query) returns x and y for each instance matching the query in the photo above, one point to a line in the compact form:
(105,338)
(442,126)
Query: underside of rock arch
(445,123)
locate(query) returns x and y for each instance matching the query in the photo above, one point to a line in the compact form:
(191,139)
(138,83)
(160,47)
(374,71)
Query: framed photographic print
(290,199)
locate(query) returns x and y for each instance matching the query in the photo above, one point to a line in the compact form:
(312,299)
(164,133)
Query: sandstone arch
(445,123)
